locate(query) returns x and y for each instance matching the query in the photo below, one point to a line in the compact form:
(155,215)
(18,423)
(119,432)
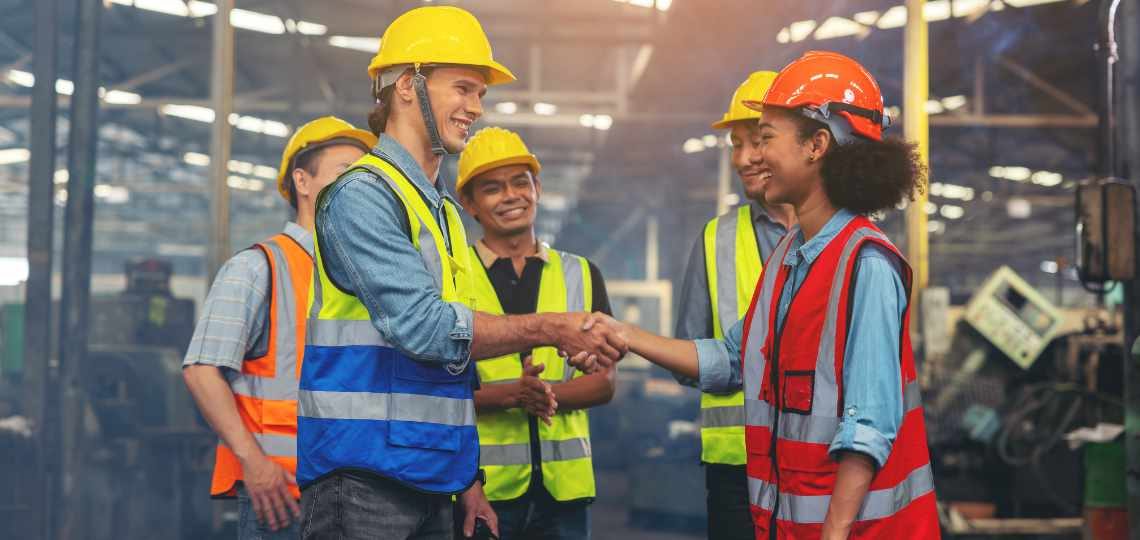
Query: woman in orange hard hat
(833,419)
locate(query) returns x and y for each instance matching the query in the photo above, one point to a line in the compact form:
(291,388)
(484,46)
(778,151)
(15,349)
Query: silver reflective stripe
(757,412)
(286,302)
(713,417)
(822,429)
(575,289)
(726,302)
(912,396)
(825,396)
(754,361)
(504,454)
(565,450)
(341,332)
(272,388)
(380,406)
(273,445)
(878,504)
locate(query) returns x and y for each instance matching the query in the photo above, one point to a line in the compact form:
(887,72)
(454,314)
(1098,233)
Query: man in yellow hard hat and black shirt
(540,477)
(723,270)
(244,358)
(386,414)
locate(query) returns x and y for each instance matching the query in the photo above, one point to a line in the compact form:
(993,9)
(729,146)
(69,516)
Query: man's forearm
(851,484)
(497,397)
(586,391)
(496,335)
(216,401)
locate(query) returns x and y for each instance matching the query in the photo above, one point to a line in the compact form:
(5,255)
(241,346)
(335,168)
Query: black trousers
(729,516)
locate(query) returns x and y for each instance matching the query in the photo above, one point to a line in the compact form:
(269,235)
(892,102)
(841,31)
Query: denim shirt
(872,372)
(362,230)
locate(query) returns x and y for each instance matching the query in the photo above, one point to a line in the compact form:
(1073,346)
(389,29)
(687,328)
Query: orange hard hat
(833,89)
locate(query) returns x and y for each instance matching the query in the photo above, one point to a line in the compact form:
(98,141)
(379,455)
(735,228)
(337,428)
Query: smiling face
(456,95)
(790,163)
(746,143)
(503,200)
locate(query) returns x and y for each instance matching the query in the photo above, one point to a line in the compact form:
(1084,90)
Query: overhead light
(1049,267)
(936,10)
(692,146)
(275,129)
(1018,174)
(9,156)
(356,43)
(893,18)
(1046,178)
(931,208)
(22,78)
(60,176)
(1027,3)
(603,122)
(545,109)
(586,120)
(953,102)
(507,107)
(189,112)
(196,158)
(240,167)
(265,171)
(112,194)
(121,97)
(664,5)
(784,35)
(836,27)
(243,183)
(554,201)
(709,140)
(1018,208)
(950,211)
(311,28)
(257,22)
(64,86)
(969,8)
(934,107)
(13,270)
(935,227)
(800,30)
(866,18)
(952,191)
(641,3)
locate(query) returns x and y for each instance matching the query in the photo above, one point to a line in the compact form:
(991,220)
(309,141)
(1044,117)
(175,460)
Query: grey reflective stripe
(565,450)
(713,417)
(726,307)
(380,406)
(822,429)
(340,332)
(273,445)
(825,395)
(754,361)
(504,454)
(272,388)
(912,396)
(575,289)
(878,504)
(757,412)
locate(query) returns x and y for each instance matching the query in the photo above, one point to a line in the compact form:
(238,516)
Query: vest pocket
(412,370)
(420,435)
(798,387)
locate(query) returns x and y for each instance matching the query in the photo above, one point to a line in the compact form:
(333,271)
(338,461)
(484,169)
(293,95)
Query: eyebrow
(763,125)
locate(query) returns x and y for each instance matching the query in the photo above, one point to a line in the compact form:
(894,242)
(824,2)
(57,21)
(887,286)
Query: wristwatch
(481,476)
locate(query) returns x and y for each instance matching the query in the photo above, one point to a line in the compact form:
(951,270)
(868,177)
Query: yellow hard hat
(491,148)
(437,35)
(752,89)
(323,129)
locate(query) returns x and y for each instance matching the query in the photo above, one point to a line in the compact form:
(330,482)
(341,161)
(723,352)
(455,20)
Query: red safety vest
(791,474)
(266,389)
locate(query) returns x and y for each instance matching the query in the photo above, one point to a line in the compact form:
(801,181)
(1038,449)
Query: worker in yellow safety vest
(723,269)
(540,476)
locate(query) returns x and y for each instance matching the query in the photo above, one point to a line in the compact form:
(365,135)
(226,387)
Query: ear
(404,91)
(819,144)
(300,182)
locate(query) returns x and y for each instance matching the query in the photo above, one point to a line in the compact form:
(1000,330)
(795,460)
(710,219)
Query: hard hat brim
(367,138)
(528,159)
(726,123)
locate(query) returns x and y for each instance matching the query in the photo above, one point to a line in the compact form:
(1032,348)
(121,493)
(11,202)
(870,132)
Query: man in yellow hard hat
(386,427)
(243,361)
(540,476)
(722,272)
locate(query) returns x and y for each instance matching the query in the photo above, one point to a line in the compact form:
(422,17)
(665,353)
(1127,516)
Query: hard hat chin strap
(419,83)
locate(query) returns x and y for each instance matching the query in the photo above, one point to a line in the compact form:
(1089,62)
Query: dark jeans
(349,506)
(729,516)
(249,528)
(537,515)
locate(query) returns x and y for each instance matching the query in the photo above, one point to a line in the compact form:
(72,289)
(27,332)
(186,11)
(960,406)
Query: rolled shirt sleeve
(719,362)
(872,375)
(362,229)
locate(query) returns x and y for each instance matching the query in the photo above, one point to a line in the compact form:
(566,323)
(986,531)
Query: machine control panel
(1012,315)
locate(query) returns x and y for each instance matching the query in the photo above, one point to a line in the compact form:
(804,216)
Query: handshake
(590,342)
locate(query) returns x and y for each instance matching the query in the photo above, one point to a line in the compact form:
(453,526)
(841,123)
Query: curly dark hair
(868,176)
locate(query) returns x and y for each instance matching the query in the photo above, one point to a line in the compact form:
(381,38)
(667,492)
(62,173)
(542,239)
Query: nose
(475,106)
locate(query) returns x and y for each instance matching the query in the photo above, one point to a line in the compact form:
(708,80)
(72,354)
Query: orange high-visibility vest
(265,390)
(793,388)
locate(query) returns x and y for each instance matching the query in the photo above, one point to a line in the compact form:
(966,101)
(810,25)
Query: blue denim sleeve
(872,373)
(362,231)
(719,362)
